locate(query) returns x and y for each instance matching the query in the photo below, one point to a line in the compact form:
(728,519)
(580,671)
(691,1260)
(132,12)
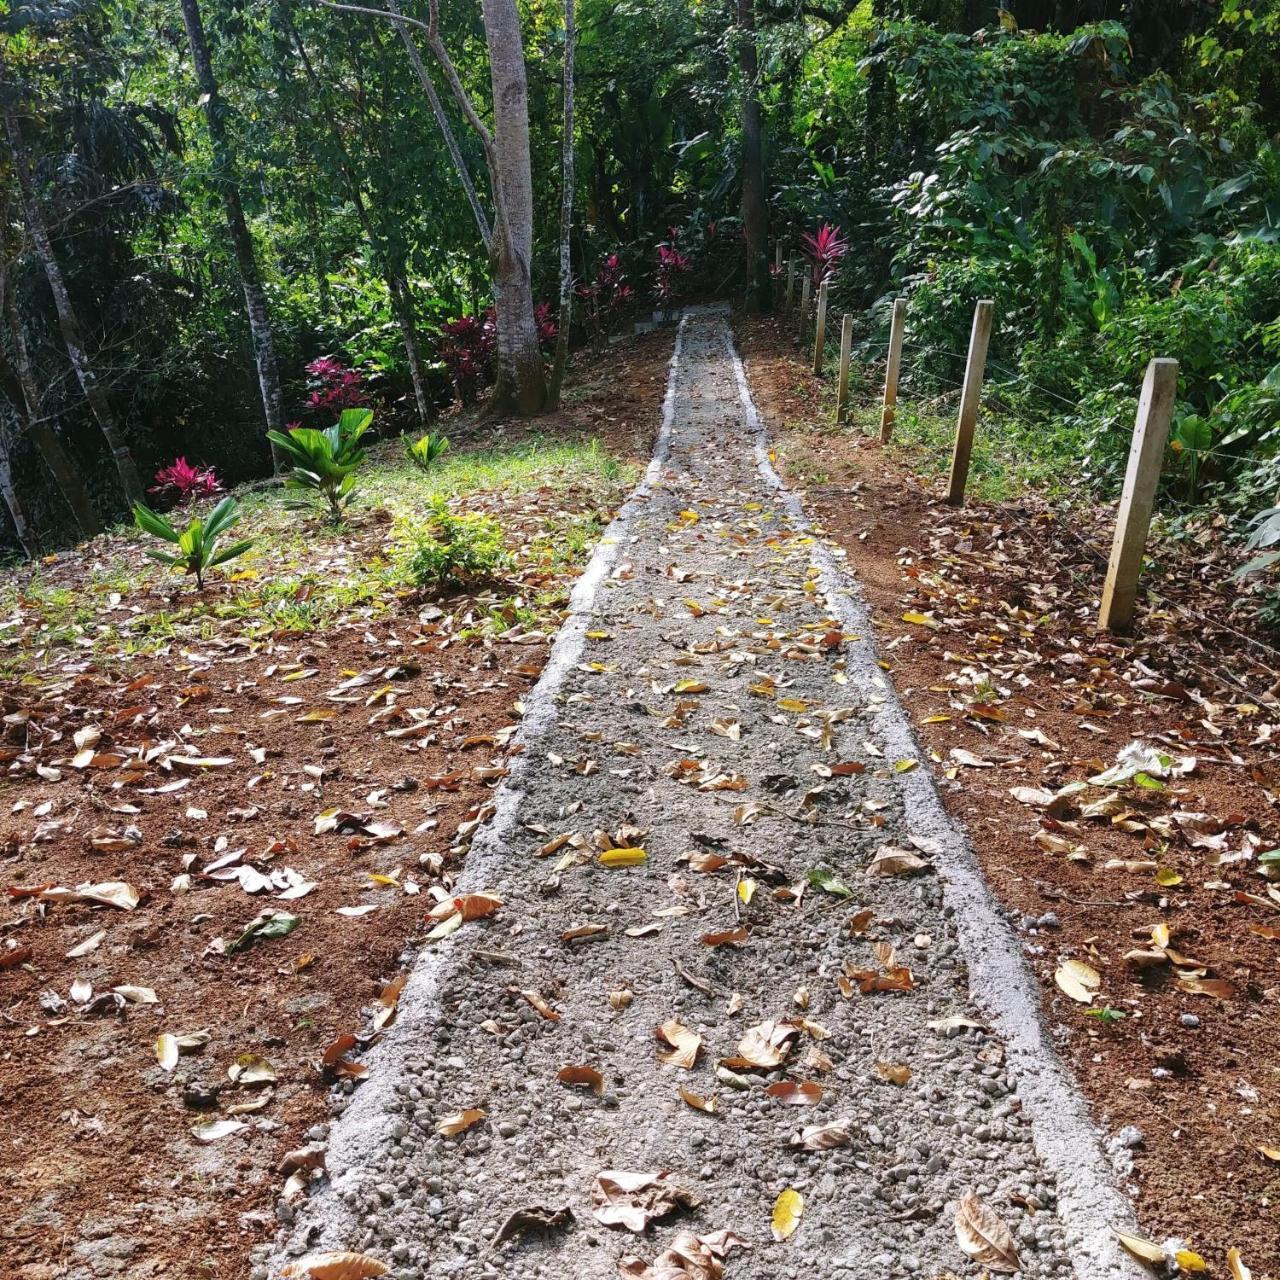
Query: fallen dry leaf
(338,1266)
(633,1200)
(1078,980)
(788,1209)
(806,1093)
(459,1122)
(983,1235)
(587,1076)
(684,1044)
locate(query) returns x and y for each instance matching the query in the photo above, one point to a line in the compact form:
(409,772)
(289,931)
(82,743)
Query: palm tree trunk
(68,321)
(255,298)
(566,217)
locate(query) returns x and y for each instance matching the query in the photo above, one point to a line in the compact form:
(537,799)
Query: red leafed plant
(467,347)
(604,295)
(825,249)
(671,263)
(180,482)
(547,327)
(334,387)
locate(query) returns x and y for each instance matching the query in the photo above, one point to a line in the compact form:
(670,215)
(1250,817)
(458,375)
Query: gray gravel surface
(708,578)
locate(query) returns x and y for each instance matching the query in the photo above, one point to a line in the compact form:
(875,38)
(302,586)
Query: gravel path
(713,709)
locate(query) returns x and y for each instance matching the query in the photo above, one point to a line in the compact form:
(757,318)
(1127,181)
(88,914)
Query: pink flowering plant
(671,265)
(825,249)
(181,482)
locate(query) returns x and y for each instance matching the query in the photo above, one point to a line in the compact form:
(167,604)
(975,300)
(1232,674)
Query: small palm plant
(325,462)
(424,451)
(197,543)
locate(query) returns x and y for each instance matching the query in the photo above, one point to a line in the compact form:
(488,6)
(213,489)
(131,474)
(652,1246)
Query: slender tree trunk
(521,386)
(255,298)
(566,217)
(68,321)
(402,306)
(26,536)
(446,129)
(40,432)
(755,211)
(521,383)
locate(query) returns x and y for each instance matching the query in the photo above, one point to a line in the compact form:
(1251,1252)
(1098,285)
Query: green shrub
(424,451)
(197,543)
(325,462)
(454,549)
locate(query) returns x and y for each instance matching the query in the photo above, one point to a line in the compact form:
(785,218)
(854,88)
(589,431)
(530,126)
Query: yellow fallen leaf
(1236,1264)
(167,1051)
(919,620)
(1189,1260)
(1143,1250)
(459,1122)
(788,1209)
(632,857)
(1167,877)
(746,890)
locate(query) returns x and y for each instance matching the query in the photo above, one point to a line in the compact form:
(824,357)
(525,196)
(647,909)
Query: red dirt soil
(1004,598)
(101,1174)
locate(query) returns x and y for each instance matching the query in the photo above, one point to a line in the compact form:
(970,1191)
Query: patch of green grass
(302,574)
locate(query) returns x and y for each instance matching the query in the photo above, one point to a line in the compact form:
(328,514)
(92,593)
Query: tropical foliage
(197,544)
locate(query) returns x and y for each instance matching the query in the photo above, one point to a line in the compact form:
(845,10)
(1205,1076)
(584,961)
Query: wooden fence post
(842,388)
(1133,519)
(791,284)
(804,305)
(970,398)
(820,331)
(893,364)
(777,257)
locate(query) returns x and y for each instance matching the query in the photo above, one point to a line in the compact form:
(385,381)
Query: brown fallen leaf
(537,1002)
(1218,988)
(533,1218)
(585,933)
(459,1122)
(633,1200)
(338,1266)
(725,937)
(698,1102)
(983,1235)
(690,1257)
(894,1072)
(824,1137)
(587,1076)
(806,1093)
(891,861)
(1078,980)
(765,1045)
(684,1044)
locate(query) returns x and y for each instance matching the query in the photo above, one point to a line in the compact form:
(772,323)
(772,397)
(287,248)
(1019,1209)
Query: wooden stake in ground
(820,331)
(1133,520)
(804,306)
(777,257)
(791,284)
(846,350)
(893,364)
(970,397)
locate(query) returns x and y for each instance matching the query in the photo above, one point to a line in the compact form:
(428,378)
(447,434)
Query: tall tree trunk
(521,386)
(255,298)
(755,211)
(565,316)
(26,535)
(38,429)
(68,321)
(403,309)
